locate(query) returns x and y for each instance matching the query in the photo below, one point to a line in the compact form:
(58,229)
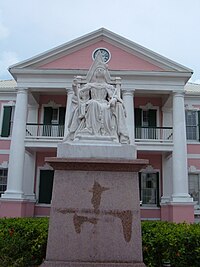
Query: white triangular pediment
(75,47)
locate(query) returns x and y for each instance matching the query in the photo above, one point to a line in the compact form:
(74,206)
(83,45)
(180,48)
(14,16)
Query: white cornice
(185,74)
(101,34)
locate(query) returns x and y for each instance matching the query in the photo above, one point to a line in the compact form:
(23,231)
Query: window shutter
(152,117)
(47,115)
(152,123)
(138,122)
(138,117)
(48,111)
(46,186)
(61,121)
(62,115)
(199,123)
(5,131)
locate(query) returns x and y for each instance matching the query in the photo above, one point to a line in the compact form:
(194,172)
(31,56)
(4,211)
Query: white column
(29,175)
(128,98)
(68,111)
(17,148)
(180,173)
(166,178)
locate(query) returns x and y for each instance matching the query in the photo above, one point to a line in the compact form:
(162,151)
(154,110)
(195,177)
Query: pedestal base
(89,264)
(95,213)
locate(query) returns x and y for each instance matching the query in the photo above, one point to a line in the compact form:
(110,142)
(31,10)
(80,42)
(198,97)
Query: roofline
(178,74)
(102,32)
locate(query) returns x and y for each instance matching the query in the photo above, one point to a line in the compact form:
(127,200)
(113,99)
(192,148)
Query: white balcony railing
(158,134)
(54,131)
(34,130)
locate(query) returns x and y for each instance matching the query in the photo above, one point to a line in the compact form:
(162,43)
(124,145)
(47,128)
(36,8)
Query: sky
(168,27)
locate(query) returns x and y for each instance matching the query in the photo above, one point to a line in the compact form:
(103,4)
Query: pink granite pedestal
(95,214)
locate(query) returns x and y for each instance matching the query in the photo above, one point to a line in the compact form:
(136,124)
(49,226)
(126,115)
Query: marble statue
(98,111)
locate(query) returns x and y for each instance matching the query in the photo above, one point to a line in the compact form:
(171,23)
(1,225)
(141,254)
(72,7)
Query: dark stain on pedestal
(125,216)
(97,191)
(79,220)
(126,220)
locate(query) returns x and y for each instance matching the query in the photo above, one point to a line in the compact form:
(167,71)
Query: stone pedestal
(95,214)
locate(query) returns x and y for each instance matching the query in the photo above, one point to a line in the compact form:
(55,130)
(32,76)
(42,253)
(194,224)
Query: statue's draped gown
(93,115)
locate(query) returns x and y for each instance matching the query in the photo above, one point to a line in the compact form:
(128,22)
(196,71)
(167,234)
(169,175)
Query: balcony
(44,131)
(56,131)
(154,134)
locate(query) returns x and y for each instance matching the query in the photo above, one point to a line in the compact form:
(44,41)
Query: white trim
(4,151)
(102,34)
(4,165)
(190,107)
(193,156)
(150,219)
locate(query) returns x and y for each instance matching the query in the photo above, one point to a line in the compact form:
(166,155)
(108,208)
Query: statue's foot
(124,139)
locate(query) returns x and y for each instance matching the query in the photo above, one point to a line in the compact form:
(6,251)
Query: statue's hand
(75,82)
(112,102)
(75,86)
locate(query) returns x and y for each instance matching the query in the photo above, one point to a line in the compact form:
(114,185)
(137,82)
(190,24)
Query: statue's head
(100,73)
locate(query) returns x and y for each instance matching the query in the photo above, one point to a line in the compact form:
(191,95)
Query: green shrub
(22,241)
(177,243)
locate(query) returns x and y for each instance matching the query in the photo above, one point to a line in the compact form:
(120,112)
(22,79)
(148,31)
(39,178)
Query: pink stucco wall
(143,101)
(195,163)
(4,157)
(41,211)
(4,144)
(120,59)
(193,148)
(40,157)
(16,208)
(58,99)
(155,160)
(150,213)
(177,213)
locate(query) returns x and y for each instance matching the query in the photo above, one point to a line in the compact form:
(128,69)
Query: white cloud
(4,32)
(7,58)
(197,81)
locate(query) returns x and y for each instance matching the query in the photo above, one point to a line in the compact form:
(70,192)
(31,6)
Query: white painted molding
(4,165)
(193,156)
(52,104)
(4,151)
(148,106)
(149,169)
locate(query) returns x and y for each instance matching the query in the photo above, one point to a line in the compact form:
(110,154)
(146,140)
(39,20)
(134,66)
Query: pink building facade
(162,118)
